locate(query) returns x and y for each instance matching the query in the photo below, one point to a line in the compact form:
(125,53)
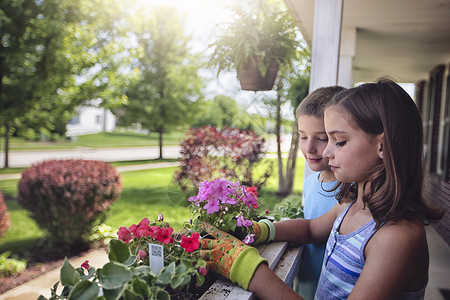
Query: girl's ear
(380,145)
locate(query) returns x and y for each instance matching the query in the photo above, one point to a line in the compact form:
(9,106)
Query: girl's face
(313,139)
(352,153)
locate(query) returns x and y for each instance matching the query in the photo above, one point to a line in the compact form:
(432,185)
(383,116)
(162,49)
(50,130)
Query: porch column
(325,43)
(346,55)
(325,47)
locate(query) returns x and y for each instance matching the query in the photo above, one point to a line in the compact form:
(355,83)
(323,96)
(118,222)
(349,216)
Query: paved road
(24,158)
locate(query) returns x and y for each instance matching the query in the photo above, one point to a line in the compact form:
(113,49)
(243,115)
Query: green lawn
(145,194)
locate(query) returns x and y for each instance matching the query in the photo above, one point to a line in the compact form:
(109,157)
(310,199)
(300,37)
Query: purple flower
(249,239)
(241,221)
(212,206)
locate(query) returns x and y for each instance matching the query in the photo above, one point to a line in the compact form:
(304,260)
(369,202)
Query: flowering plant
(129,275)
(227,205)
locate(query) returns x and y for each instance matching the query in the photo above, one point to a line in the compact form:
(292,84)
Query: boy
(317,195)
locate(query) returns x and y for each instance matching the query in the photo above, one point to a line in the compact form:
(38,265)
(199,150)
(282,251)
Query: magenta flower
(124,234)
(163,236)
(190,244)
(85,265)
(203,271)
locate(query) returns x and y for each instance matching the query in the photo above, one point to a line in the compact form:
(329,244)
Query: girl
(376,247)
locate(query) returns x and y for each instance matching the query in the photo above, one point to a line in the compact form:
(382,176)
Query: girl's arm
(396,261)
(304,231)
(267,285)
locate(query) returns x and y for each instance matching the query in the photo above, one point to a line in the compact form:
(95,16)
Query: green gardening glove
(229,257)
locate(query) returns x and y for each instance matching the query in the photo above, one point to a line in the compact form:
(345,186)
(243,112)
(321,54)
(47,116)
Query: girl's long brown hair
(395,190)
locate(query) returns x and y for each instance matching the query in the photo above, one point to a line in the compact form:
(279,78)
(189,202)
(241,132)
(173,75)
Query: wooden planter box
(283,259)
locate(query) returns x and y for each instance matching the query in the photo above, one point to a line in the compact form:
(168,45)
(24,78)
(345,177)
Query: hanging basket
(251,79)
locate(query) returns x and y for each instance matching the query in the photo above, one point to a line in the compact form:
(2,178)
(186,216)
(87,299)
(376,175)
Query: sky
(202,17)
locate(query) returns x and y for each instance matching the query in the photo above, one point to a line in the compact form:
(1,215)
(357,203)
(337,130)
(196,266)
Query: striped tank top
(344,260)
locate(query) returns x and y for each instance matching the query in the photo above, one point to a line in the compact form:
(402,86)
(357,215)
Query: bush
(67,198)
(10,266)
(4,216)
(209,152)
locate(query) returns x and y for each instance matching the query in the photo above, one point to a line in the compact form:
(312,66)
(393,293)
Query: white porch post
(346,55)
(325,47)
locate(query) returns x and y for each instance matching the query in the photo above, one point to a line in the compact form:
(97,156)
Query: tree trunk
(6,164)
(278,137)
(160,144)
(292,159)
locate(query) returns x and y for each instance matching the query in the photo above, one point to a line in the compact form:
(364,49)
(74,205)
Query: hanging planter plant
(251,78)
(260,39)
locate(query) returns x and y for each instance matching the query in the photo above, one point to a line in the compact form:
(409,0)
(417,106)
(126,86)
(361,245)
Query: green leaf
(140,287)
(114,275)
(164,278)
(179,281)
(129,295)
(84,290)
(69,276)
(200,279)
(181,269)
(119,251)
(162,295)
(113,294)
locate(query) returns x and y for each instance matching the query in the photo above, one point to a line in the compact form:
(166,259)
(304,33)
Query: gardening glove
(229,257)
(264,231)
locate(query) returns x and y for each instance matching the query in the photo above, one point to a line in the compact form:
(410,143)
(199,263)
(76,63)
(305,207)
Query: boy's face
(313,140)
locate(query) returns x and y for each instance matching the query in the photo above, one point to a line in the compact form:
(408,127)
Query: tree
(223,111)
(292,85)
(54,55)
(169,86)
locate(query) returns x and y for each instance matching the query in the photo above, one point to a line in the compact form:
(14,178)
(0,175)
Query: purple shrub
(208,152)
(4,216)
(68,197)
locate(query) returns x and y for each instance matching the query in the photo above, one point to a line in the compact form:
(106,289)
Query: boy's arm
(396,261)
(304,231)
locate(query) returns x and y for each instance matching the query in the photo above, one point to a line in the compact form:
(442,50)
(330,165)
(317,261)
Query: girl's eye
(340,144)
(323,140)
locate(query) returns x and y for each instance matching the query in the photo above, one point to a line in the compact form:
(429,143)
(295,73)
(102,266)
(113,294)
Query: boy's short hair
(315,103)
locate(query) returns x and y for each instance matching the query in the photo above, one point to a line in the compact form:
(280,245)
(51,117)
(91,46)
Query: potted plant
(259,39)
(146,262)
(227,205)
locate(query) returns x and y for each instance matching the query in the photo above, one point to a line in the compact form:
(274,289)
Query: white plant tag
(156,258)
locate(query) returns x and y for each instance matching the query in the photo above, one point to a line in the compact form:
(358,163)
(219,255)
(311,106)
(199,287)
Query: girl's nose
(310,147)
(327,151)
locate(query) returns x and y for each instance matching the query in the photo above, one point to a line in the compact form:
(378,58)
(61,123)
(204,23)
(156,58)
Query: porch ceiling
(404,39)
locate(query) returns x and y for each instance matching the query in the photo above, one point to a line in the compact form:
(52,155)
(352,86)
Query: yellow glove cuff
(245,266)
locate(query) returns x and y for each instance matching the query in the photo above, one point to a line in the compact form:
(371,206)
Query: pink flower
(190,244)
(85,265)
(252,190)
(163,236)
(142,254)
(203,271)
(124,234)
(142,228)
(267,211)
(249,239)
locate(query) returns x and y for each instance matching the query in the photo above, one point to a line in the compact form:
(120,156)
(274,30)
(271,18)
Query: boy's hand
(229,257)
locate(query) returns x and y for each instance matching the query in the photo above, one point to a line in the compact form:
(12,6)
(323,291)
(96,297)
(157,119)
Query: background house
(91,119)
(409,40)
